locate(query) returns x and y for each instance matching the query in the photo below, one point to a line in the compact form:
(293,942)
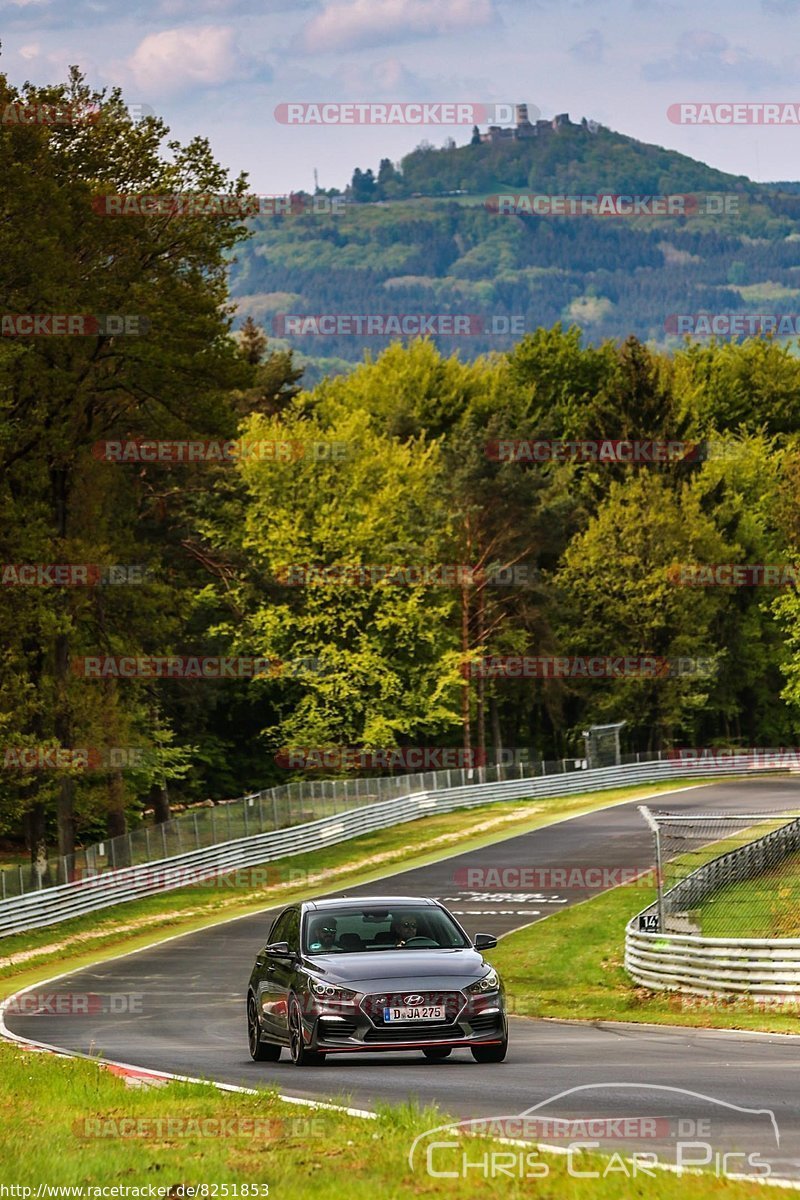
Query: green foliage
(436,243)
(387,466)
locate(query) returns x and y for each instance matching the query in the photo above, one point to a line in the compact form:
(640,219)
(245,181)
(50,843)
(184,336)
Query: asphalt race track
(185,1014)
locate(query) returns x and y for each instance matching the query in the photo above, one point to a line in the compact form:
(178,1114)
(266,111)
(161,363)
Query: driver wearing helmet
(323,935)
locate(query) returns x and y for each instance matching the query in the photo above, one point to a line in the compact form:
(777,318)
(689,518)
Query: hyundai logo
(413,999)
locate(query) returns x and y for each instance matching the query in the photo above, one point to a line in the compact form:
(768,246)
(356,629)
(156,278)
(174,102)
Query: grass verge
(570,966)
(28,957)
(69,1123)
(765,907)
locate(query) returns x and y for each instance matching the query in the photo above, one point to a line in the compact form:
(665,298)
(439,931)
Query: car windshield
(356,930)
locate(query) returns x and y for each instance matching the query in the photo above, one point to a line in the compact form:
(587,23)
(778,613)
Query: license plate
(433,1012)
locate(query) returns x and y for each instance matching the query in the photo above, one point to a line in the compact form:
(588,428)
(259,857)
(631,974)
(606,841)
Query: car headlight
(327,991)
(489,983)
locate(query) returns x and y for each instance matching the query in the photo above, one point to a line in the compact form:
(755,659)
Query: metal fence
(279,807)
(668,945)
(94,892)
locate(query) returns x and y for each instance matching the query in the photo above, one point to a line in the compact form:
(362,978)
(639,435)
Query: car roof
(366,902)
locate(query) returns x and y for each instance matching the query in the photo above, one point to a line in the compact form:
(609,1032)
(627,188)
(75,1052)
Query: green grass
(52,1110)
(27,957)
(767,907)
(570,966)
(69,1123)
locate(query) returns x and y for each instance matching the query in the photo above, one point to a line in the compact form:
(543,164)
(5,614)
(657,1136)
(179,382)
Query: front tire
(490,1054)
(259,1051)
(301,1056)
(437,1053)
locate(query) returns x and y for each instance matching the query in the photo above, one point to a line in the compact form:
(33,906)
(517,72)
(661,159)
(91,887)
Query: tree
(275,382)
(618,597)
(384,660)
(60,395)
(252,342)
(389,181)
(362,186)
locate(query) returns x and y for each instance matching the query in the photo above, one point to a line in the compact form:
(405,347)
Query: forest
(350,548)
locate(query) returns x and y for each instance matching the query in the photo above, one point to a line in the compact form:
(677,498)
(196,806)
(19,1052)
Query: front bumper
(468,1021)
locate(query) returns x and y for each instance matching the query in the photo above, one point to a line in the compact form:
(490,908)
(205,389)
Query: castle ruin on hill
(525,128)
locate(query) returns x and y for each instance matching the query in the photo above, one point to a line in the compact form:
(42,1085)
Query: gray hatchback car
(372,974)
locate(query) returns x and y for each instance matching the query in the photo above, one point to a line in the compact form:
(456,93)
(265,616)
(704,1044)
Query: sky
(220,68)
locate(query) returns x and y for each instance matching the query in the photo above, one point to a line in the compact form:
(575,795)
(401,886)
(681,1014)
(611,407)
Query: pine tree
(252,342)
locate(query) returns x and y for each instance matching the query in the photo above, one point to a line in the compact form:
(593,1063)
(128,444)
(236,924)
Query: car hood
(383,968)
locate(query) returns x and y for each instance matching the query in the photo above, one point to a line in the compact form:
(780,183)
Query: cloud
(708,57)
(179,58)
(152,14)
(355,24)
(590,49)
(227,8)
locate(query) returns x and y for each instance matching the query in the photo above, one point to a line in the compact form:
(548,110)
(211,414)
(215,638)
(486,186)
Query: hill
(427,237)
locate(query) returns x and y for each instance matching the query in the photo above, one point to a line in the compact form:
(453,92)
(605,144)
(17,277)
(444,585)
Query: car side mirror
(279,950)
(484,941)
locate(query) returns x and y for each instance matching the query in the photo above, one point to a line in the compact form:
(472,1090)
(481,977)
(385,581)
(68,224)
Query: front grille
(374,1005)
(413,1031)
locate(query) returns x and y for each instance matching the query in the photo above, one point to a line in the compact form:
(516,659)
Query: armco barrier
(718,966)
(768,967)
(279,807)
(46,907)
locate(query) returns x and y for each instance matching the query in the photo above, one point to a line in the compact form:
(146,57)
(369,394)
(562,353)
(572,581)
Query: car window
(292,934)
(354,931)
(278,931)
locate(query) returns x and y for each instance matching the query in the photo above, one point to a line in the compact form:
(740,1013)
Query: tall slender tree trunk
(116,820)
(117,824)
(481,686)
(62,725)
(159,798)
(34,823)
(494,718)
(465,666)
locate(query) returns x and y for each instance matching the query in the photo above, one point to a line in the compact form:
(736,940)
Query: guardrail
(279,807)
(719,966)
(91,894)
(768,967)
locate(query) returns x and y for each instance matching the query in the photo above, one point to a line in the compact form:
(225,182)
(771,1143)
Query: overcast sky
(220,68)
